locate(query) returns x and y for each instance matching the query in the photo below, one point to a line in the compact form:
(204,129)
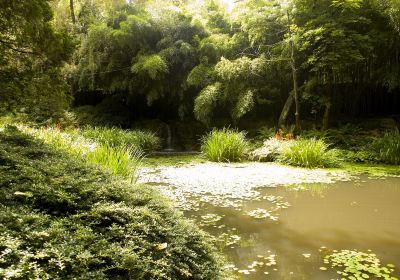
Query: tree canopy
(197,59)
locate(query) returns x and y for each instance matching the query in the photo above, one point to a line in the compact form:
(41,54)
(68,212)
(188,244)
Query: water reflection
(361,215)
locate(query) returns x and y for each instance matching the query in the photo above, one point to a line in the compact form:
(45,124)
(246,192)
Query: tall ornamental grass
(309,153)
(224,145)
(143,141)
(388,148)
(118,160)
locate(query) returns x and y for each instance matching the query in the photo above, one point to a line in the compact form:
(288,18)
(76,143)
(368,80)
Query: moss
(373,170)
(172,160)
(61,219)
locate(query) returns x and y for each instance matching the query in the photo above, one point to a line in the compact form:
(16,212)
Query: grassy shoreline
(63,219)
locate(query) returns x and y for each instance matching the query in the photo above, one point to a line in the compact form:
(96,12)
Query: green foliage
(152,65)
(31,53)
(141,141)
(110,112)
(224,145)
(348,136)
(265,132)
(118,160)
(388,148)
(61,219)
(309,153)
(206,101)
(359,265)
(365,155)
(148,51)
(200,75)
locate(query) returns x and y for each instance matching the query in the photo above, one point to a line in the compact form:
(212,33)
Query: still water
(302,223)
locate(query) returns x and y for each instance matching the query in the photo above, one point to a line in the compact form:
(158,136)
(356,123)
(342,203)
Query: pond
(293,227)
(278,222)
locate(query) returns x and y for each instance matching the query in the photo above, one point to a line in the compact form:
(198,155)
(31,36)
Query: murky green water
(363,215)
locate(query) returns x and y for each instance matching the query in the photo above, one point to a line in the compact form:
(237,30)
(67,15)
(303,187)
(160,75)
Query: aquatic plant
(224,145)
(388,147)
(309,153)
(352,264)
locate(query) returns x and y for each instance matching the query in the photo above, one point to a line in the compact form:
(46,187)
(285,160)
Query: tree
(146,52)
(270,27)
(71,8)
(31,54)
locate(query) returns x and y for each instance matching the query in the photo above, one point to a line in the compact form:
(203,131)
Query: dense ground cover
(62,219)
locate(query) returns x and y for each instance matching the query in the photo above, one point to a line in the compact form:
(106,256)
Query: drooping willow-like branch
(10,46)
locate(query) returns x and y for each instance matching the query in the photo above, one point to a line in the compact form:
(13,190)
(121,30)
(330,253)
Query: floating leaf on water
(244,271)
(262,214)
(358,265)
(323,268)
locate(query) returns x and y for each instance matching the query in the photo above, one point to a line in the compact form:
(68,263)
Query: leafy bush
(142,141)
(361,156)
(269,151)
(309,153)
(349,136)
(224,145)
(265,132)
(388,147)
(61,219)
(110,112)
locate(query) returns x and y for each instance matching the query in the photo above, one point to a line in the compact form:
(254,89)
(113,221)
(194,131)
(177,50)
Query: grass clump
(119,160)
(63,219)
(143,141)
(309,153)
(388,148)
(224,145)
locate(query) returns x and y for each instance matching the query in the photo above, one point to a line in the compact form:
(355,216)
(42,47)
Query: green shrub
(224,145)
(269,151)
(108,113)
(349,137)
(142,141)
(309,153)
(265,133)
(362,156)
(388,147)
(62,219)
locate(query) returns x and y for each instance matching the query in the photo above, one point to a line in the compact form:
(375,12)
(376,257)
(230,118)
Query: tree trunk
(326,121)
(285,111)
(71,8)
(327,117)
(294,76)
